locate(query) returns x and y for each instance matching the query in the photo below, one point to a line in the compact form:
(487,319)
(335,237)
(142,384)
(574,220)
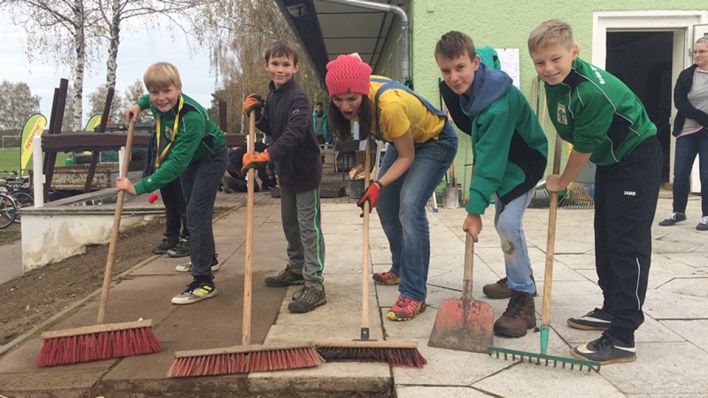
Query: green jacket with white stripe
(598,114)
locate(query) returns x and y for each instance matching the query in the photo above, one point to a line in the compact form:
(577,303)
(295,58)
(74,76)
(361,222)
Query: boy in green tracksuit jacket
(510,151)
(189,146)
(608,125)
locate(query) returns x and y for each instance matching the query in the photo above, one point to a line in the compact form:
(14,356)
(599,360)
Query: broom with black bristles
(247,357)
(404,354)
(102,341)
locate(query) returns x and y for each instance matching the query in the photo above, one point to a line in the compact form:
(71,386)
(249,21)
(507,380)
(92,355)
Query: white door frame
(679,22)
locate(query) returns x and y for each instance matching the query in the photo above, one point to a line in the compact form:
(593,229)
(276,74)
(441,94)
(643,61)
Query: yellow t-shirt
(400,111)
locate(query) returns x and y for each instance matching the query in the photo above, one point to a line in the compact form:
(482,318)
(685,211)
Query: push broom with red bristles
(395,353)
(246,357)
(101,341)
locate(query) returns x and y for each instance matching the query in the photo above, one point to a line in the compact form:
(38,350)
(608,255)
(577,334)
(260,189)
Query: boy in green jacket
(510,151)
(189,146)
(608,125)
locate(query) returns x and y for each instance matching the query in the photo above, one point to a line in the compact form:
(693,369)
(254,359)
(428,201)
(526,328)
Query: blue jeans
(508,222)
(401,209)
(687,147)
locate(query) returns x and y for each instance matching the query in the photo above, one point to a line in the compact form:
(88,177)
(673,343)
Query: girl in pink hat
(422,146)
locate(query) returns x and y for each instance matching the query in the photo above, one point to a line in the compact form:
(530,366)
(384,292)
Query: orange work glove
(253,102)
(371,195)
(252,161)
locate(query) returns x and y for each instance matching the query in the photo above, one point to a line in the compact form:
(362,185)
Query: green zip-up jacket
(509,146)
(598,114)
(197,137)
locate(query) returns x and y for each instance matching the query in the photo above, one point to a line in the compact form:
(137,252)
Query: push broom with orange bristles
(102,341)
(247,357)
(395,353)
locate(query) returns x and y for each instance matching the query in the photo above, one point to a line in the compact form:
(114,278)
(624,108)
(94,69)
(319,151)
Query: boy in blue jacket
(288,121)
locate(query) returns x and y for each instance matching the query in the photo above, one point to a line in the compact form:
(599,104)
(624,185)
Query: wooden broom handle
(550,241)
(108,272)
(248,260)
(365,243)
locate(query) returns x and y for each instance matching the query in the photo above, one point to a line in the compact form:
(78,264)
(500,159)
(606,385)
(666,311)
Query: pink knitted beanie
(347,74)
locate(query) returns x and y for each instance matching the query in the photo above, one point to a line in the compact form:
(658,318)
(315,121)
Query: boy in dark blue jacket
(288,121)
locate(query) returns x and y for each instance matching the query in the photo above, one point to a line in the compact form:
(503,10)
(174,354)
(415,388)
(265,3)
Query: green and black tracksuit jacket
(598,114)
(197,137)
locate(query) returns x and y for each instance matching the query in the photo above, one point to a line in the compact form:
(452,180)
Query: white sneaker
(188,267)
(195,292)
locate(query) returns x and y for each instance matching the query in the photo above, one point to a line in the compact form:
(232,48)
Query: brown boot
(518,317)
(500,289)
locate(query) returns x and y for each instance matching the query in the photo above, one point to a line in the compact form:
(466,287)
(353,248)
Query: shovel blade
(463,327)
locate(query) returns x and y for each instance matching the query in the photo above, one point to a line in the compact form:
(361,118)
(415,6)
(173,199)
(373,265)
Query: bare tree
(132,95)
(16,104)
(62,28)
(97,101)
(238,33)
(114,12)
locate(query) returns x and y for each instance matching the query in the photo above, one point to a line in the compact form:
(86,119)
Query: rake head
(546,360)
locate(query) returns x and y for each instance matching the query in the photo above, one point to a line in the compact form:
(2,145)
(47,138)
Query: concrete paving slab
(662,368)
(329,379)
(436,392)
(680,298)
(693,259)
(528,380)
(579,261)
(693,331)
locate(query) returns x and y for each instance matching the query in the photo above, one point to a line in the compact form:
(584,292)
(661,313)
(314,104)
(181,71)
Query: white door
(698,31)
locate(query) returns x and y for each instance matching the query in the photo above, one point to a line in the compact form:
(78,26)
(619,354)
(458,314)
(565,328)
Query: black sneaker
(180,250)
(307,299)
(702,224)
(284,278)
(672,219)
(597,319)
(604,351)
(165,245)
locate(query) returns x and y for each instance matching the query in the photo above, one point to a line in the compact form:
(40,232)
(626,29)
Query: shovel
(451,193)
(464,324)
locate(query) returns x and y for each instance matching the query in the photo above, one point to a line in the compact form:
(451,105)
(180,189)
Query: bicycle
(18,189)
(8,210)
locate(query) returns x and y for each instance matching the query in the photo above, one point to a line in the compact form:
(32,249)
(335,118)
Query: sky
(138,49)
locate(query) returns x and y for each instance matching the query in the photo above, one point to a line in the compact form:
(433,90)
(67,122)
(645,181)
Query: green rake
(543,358)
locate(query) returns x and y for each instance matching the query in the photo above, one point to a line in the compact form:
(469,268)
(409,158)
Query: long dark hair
(342,128)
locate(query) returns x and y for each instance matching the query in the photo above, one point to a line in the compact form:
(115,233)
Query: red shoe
(387,278)
(405,309)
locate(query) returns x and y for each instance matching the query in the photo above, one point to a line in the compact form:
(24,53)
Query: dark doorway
(642,60)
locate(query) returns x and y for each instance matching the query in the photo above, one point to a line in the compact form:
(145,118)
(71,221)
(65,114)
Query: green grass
(10,159)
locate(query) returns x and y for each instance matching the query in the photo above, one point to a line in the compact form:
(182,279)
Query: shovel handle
(467,277)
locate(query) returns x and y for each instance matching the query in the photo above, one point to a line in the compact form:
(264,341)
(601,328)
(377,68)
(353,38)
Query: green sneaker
(307,299)
(284,278)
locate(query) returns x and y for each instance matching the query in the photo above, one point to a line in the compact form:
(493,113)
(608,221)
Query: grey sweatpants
(300,213)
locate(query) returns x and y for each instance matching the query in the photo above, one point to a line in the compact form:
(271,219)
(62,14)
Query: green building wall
(503,24)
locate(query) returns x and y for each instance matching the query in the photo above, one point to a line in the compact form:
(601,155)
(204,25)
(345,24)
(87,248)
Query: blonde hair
(161,75)
(551,32)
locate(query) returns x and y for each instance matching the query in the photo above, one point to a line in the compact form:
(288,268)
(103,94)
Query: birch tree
(62,28)
(114,12)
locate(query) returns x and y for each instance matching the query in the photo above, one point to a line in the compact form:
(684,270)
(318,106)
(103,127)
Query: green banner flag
(93,122)
(34,126)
